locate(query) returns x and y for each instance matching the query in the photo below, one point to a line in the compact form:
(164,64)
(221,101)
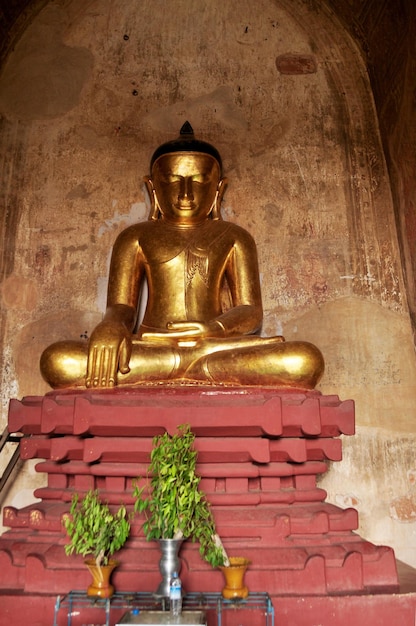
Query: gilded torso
(186,268)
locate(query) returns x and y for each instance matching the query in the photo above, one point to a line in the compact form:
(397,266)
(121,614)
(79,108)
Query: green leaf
(171,500)
(93,529)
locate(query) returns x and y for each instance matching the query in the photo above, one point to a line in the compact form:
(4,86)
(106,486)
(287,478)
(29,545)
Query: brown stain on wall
(12,170)
(292,64)
(44,77)
(403,508)
(19,293)
(15,16)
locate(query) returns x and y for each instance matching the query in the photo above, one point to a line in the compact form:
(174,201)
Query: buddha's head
(186,184)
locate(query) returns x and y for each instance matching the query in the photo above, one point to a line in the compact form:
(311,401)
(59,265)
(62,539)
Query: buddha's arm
(243,280)
(110,344)
(245,317)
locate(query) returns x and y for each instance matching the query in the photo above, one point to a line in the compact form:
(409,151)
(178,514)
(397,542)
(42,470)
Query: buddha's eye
(171,178)
(201,178)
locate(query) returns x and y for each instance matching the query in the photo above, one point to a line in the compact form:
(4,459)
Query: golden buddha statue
(187,253)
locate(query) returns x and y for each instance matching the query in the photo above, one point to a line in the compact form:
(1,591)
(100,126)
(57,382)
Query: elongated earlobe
(154,209)
(216,207)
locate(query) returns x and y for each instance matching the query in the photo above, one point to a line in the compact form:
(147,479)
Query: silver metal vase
(169,563)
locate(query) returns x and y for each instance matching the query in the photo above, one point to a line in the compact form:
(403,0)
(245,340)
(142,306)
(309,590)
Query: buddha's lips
(185,205)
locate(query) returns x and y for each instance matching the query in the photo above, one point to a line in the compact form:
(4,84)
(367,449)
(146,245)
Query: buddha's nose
(186,191)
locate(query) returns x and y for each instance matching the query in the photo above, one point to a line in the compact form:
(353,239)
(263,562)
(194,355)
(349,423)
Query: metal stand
(76,601)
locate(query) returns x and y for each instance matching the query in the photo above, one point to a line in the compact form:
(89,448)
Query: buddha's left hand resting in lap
(186,252)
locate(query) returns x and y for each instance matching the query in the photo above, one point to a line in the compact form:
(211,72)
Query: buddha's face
(186,186)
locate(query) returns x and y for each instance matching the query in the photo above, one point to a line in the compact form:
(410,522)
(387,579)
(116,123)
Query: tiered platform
(260,452)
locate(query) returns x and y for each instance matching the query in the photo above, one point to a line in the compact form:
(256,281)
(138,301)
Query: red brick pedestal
(260,452)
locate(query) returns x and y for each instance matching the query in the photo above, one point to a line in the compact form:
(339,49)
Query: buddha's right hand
(108,353)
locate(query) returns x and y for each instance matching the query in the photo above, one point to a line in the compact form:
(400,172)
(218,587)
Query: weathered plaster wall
(87,94)
(15,15)
(385,30)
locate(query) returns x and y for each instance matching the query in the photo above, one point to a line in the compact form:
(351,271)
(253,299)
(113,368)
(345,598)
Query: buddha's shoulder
(137,231)
(232,230)
(211,229)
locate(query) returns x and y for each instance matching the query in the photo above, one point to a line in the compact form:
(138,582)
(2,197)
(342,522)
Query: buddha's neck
(185,226)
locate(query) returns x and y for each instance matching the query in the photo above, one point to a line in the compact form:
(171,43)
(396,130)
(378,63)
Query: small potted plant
(95,531)
(173,504)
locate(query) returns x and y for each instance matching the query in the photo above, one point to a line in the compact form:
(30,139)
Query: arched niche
(280,88)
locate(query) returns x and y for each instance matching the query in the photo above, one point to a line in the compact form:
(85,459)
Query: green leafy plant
(93,529)
(174,506)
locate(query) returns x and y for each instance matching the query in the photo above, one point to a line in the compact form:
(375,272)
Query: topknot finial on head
(186,142)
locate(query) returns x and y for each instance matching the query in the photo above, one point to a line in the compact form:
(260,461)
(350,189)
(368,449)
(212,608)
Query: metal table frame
(147,601)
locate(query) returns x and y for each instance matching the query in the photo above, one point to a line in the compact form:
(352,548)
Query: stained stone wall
(87,93)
